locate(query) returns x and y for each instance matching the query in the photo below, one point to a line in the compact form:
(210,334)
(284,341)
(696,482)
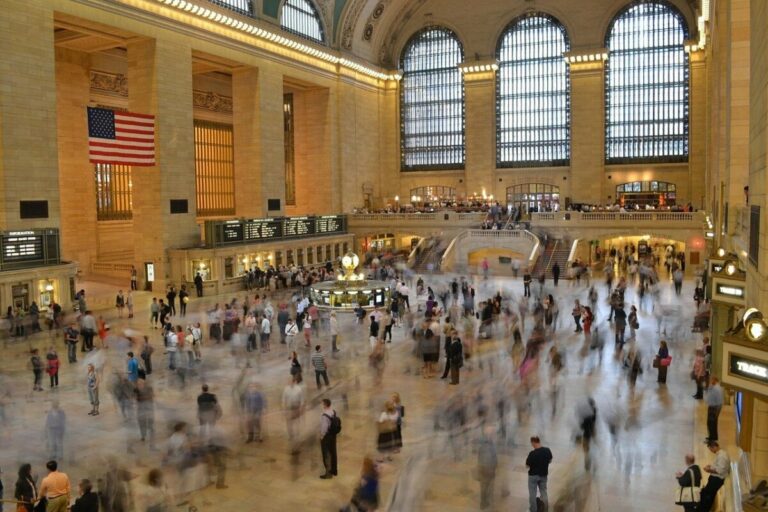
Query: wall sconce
(49,287)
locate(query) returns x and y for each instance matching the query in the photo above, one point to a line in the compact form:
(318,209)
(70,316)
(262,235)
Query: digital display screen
(232,232)
(749,368)
(262,229)
(22,246)
(298,226)
(329,224)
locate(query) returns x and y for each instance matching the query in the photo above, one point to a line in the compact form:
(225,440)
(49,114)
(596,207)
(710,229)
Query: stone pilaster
(480,133)
(245,117)
(28,158)
(160,78)
(588,134)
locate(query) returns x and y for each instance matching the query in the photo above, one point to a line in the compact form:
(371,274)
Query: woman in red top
(52,359)
(102,328)
(586,321)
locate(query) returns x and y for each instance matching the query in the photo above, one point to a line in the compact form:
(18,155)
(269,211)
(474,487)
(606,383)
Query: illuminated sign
(733,291)
(150,268)
(749,368)
(218,233)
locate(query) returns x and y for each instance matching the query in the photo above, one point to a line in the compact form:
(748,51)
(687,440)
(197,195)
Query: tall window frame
(114,192)
(533,93)
(301,17)
(214,169)
(647,85)
(432,102)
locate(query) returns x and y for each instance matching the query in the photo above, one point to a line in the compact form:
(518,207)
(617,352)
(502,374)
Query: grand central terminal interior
(383,255)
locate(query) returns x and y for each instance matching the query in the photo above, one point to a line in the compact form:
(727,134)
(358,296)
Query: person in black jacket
(88,501)
(692,470)
(447,351)
(26,489)
(456,357)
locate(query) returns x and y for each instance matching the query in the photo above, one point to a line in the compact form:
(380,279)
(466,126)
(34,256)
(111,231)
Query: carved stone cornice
(212,101)
(112,84)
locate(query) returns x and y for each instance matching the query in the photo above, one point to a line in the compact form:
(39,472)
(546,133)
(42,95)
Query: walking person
(714,399)
(134,278)
(387,427)
(366,495)
(129,303)
(253,404)
(689,481)
(662,362)
(538,461)
(154,313)
(266,331)
(699,373)
(320,366)
(718,471)
(634,325)
(199,284)
(456,357)
(576,314)
(291,330)
(555,273)
(55,427)
(52,366)
(330,427)
(145,411)
(146,355)
(334,329)
(171,296)
(487,462)
(36,365)
(527,283)
(92,385)
(208,410)
(71,335)
(183,300)
(293,407)
(120,303)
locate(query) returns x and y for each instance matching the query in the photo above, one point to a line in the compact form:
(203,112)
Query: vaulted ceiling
(376,30)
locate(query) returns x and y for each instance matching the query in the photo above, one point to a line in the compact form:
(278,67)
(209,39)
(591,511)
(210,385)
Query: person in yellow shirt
(55,487)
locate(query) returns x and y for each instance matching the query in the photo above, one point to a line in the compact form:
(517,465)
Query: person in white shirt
(291,330)
(334,328)
(718,471)
(172,347)
(197,341)
(266,330)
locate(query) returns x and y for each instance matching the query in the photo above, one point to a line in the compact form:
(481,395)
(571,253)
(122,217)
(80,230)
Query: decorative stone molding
(212,101)
(350,22)
(113,84)
(373,19)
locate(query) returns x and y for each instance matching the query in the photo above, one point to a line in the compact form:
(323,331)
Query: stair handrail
(551,255)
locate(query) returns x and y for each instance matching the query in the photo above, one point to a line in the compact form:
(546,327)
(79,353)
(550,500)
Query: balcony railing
(618,217)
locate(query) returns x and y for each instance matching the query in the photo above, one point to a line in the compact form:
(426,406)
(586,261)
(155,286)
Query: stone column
(78,193)
(271,158)
(480,133)
(28,155)
(160,83)
(588,134)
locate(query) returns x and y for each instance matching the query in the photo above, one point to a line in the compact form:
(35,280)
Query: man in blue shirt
(132,369)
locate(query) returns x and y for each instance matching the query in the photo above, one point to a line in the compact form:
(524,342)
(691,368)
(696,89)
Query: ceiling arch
(376,30)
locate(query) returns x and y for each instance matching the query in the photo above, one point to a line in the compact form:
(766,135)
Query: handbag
(666,361)
(656,362)
(686,495)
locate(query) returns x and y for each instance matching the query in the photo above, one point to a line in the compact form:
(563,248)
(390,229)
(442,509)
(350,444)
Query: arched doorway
(433,195)
(534,197)
(644,193)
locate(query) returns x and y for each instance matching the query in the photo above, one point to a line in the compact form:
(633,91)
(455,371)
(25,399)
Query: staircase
(556,251)
(432,255)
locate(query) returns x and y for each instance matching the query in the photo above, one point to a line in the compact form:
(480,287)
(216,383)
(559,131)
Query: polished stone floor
(632,470)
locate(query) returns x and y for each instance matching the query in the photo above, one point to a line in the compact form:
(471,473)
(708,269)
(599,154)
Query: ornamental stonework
(113,84)
(212,101)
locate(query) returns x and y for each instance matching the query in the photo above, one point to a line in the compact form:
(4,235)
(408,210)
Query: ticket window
(300,257)
(229,267)
(46,294)
(202,267)
(20,296)
(336,251)
(278,258)
(245,262)
(328,254)
(346,247)
(319,254)
(310,256)
(289,257)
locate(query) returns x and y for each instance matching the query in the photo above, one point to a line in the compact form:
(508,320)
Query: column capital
(479,71)
(586,59)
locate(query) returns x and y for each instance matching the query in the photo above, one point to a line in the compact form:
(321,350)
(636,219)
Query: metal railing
(641,216)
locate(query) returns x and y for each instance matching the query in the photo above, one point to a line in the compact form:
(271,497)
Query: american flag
(120,137)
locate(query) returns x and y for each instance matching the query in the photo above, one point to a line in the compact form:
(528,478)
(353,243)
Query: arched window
(646,85)
(533,94)
(301,18)
(432,102)
(240,6)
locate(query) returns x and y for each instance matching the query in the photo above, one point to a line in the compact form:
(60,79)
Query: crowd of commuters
(503,352)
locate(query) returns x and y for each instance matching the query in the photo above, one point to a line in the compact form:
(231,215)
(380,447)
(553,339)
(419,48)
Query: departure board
(262,229)
(327,224)
(242,231)
(232,232)
(298,226)
(22,245)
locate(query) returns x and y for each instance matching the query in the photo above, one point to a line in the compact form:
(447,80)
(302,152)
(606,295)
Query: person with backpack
(330,427)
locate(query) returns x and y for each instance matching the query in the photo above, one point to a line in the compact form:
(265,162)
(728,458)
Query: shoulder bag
(687,495)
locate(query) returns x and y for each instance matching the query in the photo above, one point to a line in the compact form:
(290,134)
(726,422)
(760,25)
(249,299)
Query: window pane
(214,169)
(300,17)
(241,6)
(533,94)
(114,189)
(432,102)
(647,86)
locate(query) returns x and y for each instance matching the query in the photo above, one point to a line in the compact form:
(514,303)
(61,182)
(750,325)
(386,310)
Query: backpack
(335,427)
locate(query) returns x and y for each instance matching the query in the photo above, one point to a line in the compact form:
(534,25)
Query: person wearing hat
(718,471)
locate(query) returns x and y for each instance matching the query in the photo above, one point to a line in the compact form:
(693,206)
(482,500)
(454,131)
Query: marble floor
(632,470)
